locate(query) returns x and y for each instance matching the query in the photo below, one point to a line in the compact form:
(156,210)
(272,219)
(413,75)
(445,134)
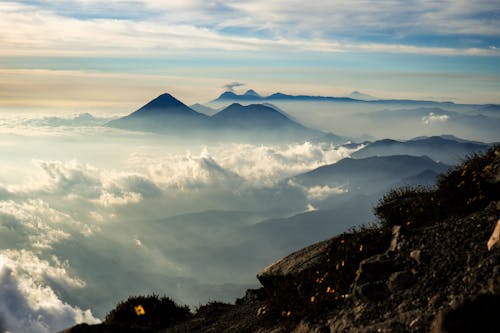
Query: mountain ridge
(166,114)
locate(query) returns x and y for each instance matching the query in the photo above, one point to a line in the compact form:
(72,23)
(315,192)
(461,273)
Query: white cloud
(265,165)
(188,172)
(37,224)
(311,208)
(323,192)
(27,303)
(161,26)
(432,118)
(73,180)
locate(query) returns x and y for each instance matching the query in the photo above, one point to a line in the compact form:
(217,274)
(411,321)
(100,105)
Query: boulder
(494,240)
(400,280)
(293,267)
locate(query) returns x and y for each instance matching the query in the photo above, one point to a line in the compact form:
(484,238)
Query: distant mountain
(491,110)
(446,149)
(232,97)
(252,93)
(334,139)
(258,117)
(361,96)
(355,97)
(163,114)
(438,120)
(166,114)
(418,113)
(204,109)
(369,175)
(425,178)
(83,119)
(290,233)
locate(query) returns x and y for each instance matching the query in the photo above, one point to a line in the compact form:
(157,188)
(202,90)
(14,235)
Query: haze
(97,205)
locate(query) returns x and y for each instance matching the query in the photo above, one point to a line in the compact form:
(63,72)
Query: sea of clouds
(80,205)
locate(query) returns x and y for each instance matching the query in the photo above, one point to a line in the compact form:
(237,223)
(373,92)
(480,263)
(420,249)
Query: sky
(112,56)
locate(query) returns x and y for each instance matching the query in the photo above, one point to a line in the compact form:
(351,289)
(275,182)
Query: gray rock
(399,281)
(494,241)
(372,291)
(295,263)
(396,238)
(375,268)
(416,255)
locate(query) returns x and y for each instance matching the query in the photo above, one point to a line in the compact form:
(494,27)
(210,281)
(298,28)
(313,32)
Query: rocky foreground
(432,265)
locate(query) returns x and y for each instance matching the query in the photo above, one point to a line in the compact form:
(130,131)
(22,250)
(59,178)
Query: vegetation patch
(469,187)
(147,312)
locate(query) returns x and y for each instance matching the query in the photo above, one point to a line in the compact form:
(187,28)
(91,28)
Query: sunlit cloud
(37,225)
(162,27)
(27,303)
(432,118)
(323,192)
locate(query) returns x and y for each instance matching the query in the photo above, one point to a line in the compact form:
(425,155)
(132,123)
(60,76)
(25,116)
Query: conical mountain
(251,92)
(165,104)
(262,120)
(165,113)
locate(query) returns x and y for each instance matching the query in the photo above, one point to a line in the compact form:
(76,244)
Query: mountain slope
(260,121)
(361,96)
(200,108)
(444,149)
(255,116)
(369,174)
(165,113)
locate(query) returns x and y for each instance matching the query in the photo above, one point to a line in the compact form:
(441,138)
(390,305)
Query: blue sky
(114,54)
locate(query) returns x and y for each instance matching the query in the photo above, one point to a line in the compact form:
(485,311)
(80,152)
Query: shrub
(471,186)
(148,312)
(468,187)
(408,206)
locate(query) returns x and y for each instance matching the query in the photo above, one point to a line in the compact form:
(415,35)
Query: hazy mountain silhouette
(251,93)
(166,114)
(163,114)
(445,149)
(369,175)
(355,97)
(204,109)
(233,97)
(361,96)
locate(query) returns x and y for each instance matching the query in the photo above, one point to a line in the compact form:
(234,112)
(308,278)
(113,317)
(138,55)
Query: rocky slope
(431,265)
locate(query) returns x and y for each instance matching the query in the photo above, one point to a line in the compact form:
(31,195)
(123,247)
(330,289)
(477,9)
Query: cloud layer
(364,25)
(27,303)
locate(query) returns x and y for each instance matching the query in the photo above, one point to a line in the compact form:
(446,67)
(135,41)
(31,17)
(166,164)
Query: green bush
(147,312)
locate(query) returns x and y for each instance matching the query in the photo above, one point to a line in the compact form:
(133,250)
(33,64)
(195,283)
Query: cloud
(27,303)
(232,85)
(83,119)
(188,172)
(161,27)
(319,193)
(432,118)
(266,165)
(36,225)
(73,180)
